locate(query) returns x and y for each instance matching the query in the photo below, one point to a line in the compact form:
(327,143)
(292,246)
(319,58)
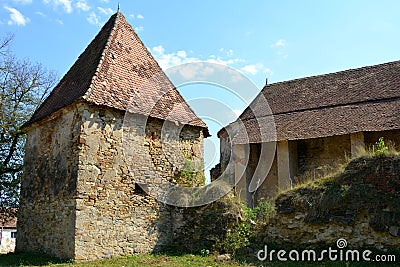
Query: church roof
(355,100)
(116,70)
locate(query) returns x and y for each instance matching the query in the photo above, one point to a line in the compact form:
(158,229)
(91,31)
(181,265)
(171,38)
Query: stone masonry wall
(190,147)
(80,195)
(114,215)
(46,217)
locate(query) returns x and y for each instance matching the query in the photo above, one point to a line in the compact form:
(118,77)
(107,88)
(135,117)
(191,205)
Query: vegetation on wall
(191,175)
(240,236)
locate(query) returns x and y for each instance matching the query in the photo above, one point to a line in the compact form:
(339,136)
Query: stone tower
(79,198)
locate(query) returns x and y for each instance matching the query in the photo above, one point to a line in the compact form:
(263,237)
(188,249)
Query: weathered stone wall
(114,215)
(80,196)
(201,227)
(314,154)
(187,143)
(269,187)
(292,230)
(46,216)
(225,149)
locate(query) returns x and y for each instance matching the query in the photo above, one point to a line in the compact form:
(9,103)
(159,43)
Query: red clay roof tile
(363,99)
(116,70)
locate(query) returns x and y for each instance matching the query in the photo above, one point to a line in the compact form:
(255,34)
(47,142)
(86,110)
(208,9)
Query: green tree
(23,86)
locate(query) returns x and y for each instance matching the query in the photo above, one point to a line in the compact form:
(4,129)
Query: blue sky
(278,40)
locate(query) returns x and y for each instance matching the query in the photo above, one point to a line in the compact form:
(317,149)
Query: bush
(264,210)
(240,236)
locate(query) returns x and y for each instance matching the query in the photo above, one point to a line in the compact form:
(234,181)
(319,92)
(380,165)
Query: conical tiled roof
(116,70)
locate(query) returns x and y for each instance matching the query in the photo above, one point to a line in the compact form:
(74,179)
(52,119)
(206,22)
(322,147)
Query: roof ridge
(366,102)
(333,73)
(103,53)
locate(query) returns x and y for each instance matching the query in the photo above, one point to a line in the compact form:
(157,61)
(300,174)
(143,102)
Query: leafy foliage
(23,86)
(380,147)
(241,235)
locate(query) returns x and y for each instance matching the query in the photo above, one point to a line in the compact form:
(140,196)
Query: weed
(190,174)
(239,236)
(381,147)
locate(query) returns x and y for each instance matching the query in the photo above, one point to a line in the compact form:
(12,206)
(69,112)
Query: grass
(327,173)
(389,151)
(158,260)
(162,260)
(308,181)
(379,149)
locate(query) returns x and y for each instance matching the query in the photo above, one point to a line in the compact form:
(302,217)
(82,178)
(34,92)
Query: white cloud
(16,17)
(140,16)
(229,52)
(40,14)
(253,69)
(82,5)
(167,60)
(23,2)
(225,62)
(94,19)
(181,53)
(282,54)
(159,49)
(279,43)
(59,21)
(66,4)
(105,1)
(280,47)
(105,11)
